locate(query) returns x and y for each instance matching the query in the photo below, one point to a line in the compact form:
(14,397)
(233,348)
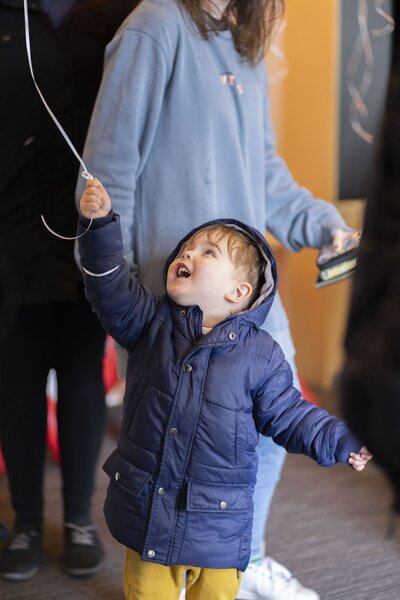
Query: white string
(101,274)
(85,173)
(390,23)
(64,237)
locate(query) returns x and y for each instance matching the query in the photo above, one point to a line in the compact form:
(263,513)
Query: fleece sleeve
(301,427)
(295,217)
(124,121)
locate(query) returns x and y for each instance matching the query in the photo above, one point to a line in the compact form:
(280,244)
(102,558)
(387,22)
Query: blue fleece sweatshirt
(181,134)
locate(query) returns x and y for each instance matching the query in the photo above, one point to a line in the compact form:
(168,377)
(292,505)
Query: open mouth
(183,272)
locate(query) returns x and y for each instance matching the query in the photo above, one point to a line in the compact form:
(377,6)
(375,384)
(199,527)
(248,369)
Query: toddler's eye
(209,252)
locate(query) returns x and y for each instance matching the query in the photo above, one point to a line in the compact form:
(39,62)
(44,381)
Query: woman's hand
(342,240)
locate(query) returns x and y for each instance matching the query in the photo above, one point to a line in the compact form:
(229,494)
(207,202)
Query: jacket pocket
(125,476)
(205,497)
(210,448)
(149,420)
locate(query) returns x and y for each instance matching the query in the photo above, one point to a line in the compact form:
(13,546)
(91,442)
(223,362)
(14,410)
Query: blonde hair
(243,252)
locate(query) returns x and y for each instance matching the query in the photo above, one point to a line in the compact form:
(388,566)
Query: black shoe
(83,552)
(19,560)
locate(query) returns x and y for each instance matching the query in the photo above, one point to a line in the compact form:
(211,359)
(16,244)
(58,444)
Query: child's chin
(177,298)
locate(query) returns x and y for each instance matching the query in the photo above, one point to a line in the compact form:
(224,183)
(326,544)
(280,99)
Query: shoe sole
(243,595)
(20,576)
(83,572)
(247,596)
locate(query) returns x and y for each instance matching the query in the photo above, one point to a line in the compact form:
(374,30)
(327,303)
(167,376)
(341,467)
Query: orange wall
(305,114)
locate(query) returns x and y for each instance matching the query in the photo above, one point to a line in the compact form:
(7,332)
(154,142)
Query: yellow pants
(150,581)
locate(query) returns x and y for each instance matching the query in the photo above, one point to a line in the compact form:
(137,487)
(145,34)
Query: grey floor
(327,525)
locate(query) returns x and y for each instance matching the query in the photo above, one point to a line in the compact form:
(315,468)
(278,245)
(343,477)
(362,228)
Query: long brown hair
(251,22)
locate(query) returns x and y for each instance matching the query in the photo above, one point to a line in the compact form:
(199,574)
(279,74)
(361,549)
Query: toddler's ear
(240,293)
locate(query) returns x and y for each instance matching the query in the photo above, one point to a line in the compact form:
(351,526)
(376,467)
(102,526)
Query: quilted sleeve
(122,304)
(301,427)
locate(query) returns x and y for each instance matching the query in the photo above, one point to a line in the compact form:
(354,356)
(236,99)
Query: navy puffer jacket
(183,474)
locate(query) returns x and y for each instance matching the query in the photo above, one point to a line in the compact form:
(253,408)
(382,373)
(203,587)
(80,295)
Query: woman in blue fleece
(181,134)
(202,382)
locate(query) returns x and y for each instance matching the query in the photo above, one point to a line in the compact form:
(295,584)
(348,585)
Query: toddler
(203,381)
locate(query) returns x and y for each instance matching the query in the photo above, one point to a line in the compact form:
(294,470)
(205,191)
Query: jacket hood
(258,311)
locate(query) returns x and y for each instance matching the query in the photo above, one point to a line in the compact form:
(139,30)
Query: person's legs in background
(25,360)
(69,338)
(81,414)
(265,578)
(271,459)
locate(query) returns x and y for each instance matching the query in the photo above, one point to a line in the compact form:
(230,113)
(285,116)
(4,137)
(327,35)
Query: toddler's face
(202,274)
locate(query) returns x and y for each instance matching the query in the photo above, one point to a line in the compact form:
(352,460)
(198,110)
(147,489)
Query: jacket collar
(188,323)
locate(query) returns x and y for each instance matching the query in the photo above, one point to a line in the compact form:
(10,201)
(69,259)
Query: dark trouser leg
(81,405)
(25,358)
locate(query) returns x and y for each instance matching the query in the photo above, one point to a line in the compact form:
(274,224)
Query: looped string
(85,173)
(362,51)
(64,237)
(390,22)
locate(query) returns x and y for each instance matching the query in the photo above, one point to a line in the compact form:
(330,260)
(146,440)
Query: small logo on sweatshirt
(230,80)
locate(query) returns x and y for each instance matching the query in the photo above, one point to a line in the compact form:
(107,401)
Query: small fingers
(357,461)
(91,197)
(356,465)
(98,186)
(358,468)
(91,206)
(95,200)
(91,184)
(90,203)
(365,453)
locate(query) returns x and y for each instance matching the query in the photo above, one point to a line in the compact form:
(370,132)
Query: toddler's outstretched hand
(358,460)
(95,202)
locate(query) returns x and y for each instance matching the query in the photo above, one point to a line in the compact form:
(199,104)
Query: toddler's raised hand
(358,460)
(95,202)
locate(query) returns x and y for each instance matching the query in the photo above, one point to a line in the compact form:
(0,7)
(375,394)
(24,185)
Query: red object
(110,372)
(307,393)
(52,433)
(110,376)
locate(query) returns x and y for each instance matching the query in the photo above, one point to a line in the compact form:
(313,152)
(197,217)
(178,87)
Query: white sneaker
(269,580)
